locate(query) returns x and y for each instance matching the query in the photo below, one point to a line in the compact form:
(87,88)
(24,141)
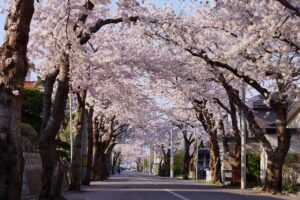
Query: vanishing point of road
(137,186)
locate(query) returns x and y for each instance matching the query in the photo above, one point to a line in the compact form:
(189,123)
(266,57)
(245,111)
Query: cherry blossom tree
(13,66)
(258,45)
(66,27)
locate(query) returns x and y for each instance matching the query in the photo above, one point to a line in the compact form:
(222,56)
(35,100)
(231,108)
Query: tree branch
(84,38)
(291,7)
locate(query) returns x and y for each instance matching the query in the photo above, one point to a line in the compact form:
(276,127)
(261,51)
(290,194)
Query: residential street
(134,186)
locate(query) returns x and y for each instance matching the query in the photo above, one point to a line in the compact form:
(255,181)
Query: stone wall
(32,173)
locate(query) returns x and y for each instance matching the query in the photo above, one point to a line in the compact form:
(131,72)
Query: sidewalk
(249,191)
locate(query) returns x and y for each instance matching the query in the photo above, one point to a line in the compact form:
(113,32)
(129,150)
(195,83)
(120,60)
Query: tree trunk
(95,146)
(273,182)
(13,69)
(87,177)
(215,161)
(102,167)
(276,157)
(48,156)
(53,115)
(76,158)
(167,163)
(186,163)
(235,156)
(104,164)
(193,167)
(188,141)
(59,179)
(98,159)
(108,166)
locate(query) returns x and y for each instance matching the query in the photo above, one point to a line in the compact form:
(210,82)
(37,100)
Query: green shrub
(29,138)
(178,163)
(32,107)
(63,150)
(291,173)
(253,168)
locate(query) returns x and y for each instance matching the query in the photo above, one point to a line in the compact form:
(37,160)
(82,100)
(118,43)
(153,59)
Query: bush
(178,163)
(63,150)
(32,107)
(253,168)
(29,138)
(291,173)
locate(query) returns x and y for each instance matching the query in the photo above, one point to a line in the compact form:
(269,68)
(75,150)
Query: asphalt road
(133,186)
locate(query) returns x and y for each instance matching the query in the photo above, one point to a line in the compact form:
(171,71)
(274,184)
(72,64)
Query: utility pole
(171,156)
(243,141)
(197,151)
(149,163)
(71,122)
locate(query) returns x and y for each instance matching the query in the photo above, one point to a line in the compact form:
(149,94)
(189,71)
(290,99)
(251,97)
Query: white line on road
(177,195)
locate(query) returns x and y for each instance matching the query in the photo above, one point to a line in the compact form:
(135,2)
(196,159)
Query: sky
(2,22)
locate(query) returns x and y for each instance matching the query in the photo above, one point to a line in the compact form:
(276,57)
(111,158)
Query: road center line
(176,195)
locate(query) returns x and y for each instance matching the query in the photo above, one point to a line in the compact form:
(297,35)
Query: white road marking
(176,195)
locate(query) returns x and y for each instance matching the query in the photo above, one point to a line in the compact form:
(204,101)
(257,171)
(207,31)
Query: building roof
(29,84)
(264,116)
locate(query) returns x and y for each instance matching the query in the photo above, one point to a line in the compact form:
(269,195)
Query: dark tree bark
(160,173)
(117,158)
(53,115)
(76,158)
(235,154)
(276,159)
(139,165)
(188,141)
(87,177)
(165,164)
(215,161)
(57,188)
(13,69)
(207,120)
(98,124)
(105,139)
(102,167)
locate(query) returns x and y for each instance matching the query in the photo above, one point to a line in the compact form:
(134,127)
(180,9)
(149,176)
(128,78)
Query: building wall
(295,122)
(294,146)
(251,148)
(295,142)
(28,76)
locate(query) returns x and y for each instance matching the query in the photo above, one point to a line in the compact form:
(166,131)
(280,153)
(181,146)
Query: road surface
(134,186)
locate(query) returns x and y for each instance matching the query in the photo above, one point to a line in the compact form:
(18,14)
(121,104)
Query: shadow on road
(145,187)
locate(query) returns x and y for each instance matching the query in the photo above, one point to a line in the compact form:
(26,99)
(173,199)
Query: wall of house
(294,146)
(295,122)
(251,148)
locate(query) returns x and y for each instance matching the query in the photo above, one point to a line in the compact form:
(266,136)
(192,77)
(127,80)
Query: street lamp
(71,134)
(171,156)
(243,141)
(197,152)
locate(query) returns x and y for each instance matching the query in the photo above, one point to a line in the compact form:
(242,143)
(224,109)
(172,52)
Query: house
(28,81)
(266,120)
